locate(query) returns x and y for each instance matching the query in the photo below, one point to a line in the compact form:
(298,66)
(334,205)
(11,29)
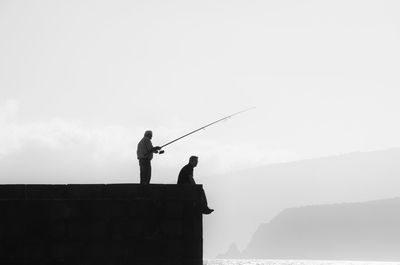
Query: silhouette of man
(186,177)
(144,153)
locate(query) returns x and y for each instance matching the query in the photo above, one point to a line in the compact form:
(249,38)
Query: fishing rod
(205,126)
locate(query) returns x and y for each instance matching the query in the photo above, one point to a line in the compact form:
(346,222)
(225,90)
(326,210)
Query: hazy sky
(80,81)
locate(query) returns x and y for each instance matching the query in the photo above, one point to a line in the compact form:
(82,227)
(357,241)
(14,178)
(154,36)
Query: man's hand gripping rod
(202,128)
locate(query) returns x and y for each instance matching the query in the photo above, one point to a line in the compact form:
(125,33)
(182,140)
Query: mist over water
(291,262)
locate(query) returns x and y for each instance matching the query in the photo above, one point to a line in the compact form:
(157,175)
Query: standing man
(186,177)
(144,153)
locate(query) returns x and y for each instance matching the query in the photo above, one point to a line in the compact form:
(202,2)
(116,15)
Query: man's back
(186,175)
(144,149)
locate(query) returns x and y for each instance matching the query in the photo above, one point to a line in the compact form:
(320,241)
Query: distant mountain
(245,199)
(348,231)
(232,253)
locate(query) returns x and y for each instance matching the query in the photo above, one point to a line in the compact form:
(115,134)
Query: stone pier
(100,224)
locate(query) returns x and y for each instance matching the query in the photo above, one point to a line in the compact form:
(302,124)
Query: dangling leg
(204,204)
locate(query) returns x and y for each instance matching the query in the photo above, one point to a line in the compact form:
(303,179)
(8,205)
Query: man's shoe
(207,211)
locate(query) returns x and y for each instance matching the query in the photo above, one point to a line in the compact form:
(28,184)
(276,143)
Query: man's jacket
(145,149)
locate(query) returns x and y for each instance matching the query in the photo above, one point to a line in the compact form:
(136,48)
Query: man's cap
(193,158)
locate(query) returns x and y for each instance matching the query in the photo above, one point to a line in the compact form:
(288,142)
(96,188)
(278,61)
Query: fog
(80,82)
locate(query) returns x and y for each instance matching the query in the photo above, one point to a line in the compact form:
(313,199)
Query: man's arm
(190,176)
(150,148)
(191,179)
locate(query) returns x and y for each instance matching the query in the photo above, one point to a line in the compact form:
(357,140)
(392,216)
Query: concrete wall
(100,224)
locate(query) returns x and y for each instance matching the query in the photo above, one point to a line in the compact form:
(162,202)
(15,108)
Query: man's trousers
(145,171)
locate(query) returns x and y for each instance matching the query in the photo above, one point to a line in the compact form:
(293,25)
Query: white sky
(81,80)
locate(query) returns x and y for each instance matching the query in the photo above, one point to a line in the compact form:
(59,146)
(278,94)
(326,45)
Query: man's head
(193,160)
(148,134)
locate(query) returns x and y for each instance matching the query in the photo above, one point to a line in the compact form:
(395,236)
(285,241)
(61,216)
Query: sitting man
(186,177)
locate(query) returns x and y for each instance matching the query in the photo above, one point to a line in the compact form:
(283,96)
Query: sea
(291,262)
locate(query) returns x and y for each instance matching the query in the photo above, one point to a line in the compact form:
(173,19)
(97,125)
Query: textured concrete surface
(100,224)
